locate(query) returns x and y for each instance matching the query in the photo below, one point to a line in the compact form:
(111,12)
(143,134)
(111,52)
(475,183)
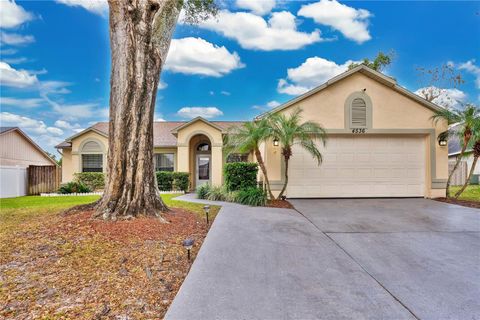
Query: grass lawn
(54,266)
(471,193)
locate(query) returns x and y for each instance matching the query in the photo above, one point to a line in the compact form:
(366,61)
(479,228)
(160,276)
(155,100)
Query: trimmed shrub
(217,194)
(203,190)
(169,181)
(165,180)
(181,181)
(240,175)
(252,197)
(73,187)
(93,180)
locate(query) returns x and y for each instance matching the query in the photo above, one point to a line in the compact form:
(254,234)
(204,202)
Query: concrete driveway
(337,259)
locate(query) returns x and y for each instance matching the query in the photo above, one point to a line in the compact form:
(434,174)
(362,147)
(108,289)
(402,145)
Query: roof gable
(375,75)
(194,120)
(5,130)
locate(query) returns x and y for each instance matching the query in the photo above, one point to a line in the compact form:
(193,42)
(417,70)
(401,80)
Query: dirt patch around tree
(279,204)
(74,267)
(464,203)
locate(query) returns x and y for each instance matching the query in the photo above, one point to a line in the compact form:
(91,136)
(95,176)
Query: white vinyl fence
(13,181)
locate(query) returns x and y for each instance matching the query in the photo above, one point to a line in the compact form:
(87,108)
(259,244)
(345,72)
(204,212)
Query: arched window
(203,147)
(358,113)
(91,146)
(92,157)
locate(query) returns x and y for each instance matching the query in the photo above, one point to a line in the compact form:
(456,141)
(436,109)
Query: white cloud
(99,7)
(30,125)
(21,103)
(205,112)
(273,104)
(67,125)
(18,60)
(259,7)
(8,51)
(470,67)
(313,72)
(225,93)
(12,77)
(351,22)
(162,85)
(13,15)
(448,98)
(269,105)
(254,32)
(15,39)
(54,87)
(197,56)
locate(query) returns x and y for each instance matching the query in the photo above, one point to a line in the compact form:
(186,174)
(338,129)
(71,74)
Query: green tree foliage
(379,63)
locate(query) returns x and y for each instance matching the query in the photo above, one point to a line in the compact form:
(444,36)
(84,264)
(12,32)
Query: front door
(203,169)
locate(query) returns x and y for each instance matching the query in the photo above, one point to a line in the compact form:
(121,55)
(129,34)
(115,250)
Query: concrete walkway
(267,263)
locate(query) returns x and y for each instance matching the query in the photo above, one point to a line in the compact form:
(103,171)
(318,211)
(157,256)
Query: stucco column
(217,165)
(183,156)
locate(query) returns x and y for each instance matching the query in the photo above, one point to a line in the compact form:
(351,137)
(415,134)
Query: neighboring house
(382,143)
(17,152)
(454,148)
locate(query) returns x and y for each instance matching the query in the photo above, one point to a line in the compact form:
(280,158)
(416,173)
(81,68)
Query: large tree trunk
(140,35)
(259,157)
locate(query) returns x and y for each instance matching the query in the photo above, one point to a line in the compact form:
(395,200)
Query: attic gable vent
(358,113)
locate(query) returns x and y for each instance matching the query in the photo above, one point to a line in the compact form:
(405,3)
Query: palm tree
(476,155)
(290,131)
(247,138)
(465,121)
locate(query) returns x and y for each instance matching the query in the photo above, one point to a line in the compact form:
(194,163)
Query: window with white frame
(164,162)
(92,163)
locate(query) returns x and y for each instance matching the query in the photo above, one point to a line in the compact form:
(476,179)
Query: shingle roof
(162,135)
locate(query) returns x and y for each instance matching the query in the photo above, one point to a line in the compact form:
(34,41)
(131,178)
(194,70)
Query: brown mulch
(74,267)
(279,204)
(464,203)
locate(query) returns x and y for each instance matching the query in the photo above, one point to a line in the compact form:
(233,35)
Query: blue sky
(55,58)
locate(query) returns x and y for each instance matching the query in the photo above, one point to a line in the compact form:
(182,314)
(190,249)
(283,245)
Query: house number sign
(359,130)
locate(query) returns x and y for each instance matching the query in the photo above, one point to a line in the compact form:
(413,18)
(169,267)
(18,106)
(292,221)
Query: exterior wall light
(442,142)
(207,210)
(188,244)
(275,142)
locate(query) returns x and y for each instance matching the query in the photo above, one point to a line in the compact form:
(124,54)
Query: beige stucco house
(382,143)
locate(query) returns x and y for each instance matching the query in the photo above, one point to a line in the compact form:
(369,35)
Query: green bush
(165,180)
(217,194)
(74,187)
(181,181)
(240,175)
(169,181)
(93,180)
(252,197)
(203,190)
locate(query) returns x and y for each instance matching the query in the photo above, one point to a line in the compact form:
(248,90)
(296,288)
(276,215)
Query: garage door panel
(360,166)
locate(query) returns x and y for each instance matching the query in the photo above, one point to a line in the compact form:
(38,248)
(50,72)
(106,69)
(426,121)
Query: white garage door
(360,166)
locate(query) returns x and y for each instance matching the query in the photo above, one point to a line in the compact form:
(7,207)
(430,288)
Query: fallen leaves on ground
(54,266)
